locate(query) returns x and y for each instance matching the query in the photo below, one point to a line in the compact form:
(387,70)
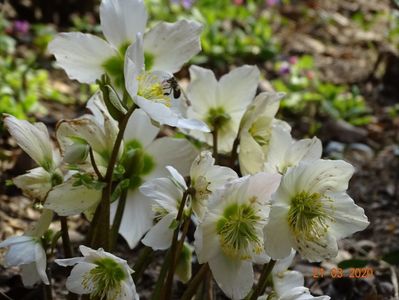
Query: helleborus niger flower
(289,285)
(257,128)
(166,195)
(82,191)
(150,155)
(152,91)
(35,141)
(285,152)
(311,211)
(221,104)
(205,178)
(100,274)
(86,57)
(97,131)
(230,236)
(27,252)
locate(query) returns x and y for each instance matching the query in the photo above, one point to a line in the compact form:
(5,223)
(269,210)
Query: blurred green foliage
(300,80)
(232,33)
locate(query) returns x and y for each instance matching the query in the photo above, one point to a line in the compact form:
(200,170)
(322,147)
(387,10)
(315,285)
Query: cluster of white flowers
(287,198)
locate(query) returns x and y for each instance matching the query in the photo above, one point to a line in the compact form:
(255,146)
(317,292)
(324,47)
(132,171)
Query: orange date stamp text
(319,272)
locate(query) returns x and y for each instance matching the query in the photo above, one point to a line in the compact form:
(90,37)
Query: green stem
(94,165)
(118,218)
(143,261)
(66,242)
(261,286)
(101,220)
(234,153)
(161,278)
(195,282)
(215,145)
(174,254)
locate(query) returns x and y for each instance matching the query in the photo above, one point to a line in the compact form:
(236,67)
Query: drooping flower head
(230,235)
(311,211)
(100,274)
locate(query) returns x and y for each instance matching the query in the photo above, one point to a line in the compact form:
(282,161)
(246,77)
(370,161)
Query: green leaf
(353,263)
(392,258)
(123,185)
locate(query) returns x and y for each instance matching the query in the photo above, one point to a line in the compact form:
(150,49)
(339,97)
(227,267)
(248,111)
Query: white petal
(20,254)
(251,157)
(349,218)
(81,55)
(15,240)
(160,236)
(278,240)
(280,142)
(29,275)
(173,44)
(131,71)
(237,88)
(35,183)
(320,176)
(140,128)
(177,177)
(192,124)
(158,111)
(218,176)
(40,227)
(164,192)
(304,150)
(262,186)
(137,217)
(135,52)
(287,281)
(69,261)
(33,139)
(206,243)
(235,278)
(283,264)
(121,20)
(202,163)
(178,153)
(202,90)
(41,263)
(66,199)
(128,292)
(74,282)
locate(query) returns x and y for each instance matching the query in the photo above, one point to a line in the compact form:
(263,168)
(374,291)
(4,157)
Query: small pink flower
(21,26)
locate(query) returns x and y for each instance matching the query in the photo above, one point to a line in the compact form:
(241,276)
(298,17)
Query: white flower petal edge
(121,20)
(81,55)
(172,44)
(308,209)
(91,275)
(33,139)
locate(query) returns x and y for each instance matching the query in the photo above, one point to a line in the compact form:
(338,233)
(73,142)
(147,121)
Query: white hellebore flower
(221,104)
(205,178)
(27,252)
(311,211)
(285,152)
(257,128)
(100,274)
(230,236)
(166,195)
(86,57)
(154,155)
(97,131)
(35,141)
(153,92)
(289,285)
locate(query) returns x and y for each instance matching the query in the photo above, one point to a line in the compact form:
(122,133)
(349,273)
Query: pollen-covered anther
(151,88)
(237,230)
(105,278)
(308,217)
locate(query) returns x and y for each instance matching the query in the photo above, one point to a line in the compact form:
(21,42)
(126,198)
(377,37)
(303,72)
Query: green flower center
(217,118)
(237,230)
(142,163)
(308,217)
(261,132)
(106,279)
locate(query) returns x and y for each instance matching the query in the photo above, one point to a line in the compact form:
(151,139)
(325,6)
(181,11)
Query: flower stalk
(261,286)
